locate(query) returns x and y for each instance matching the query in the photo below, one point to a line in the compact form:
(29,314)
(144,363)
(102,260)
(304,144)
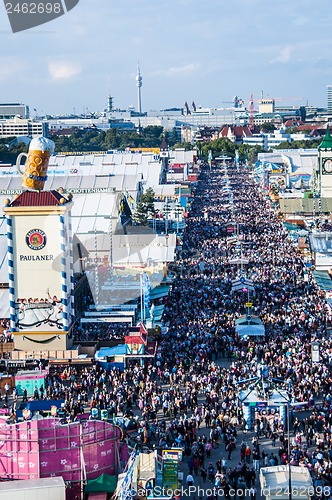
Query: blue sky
(206,51)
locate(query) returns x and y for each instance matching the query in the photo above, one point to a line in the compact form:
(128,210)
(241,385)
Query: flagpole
(144,292)
(141,293)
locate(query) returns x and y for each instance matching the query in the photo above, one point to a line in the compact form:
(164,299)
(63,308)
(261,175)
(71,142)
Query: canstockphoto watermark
(199,491)
(26,14)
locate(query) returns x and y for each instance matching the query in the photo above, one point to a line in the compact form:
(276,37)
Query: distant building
(266,106)
(206,134)
(236,134)
(10,110)
(329,98)
(188,133)
(269,141)
(22,127)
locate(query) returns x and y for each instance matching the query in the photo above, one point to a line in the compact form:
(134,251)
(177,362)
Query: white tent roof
(4,303)
(132,248)
(276,479)
(250,330)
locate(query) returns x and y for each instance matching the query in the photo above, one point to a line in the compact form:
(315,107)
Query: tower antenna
(139,85)
(109,98)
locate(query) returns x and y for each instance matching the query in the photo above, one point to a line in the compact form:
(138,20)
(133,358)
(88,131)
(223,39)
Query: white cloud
(177,70)
(301,21)
(63,70)
(11,67)
(283,57)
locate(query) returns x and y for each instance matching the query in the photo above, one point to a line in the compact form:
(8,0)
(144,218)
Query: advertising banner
(37,273)
(315,352)
(29,381)
(172,454)
(170,474)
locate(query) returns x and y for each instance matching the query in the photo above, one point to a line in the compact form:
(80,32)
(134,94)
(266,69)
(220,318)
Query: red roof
(133,339)
(38,199)
(237,131)
(291,122)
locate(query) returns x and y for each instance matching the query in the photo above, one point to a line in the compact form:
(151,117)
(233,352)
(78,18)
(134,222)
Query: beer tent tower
(40,265)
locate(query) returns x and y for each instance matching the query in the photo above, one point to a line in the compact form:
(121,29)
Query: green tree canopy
(268,127)
(144,208)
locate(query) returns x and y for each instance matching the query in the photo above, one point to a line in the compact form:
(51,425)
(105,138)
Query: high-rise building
(139,85)
(12,110)
(109,104)
(329,98)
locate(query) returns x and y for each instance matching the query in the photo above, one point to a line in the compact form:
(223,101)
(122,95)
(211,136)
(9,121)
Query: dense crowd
(196,382)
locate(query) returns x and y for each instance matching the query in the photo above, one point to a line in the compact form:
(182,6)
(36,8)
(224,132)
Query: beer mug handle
(18,162)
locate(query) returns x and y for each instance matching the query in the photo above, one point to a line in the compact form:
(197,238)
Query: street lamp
(95,233)
(111,268)
(178,211)
(267,388)
(167,210)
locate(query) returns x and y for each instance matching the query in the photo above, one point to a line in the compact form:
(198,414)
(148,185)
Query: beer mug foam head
(35,172)
(42,144)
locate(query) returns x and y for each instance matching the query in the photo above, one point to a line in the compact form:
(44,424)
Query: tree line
(147,137)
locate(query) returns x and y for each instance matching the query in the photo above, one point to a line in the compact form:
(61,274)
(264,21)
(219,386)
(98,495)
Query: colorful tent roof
(133,339)
(327,141)
(38,199)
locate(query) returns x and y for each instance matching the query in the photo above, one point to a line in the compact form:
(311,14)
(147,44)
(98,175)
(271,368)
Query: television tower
(139,85)
(109,99)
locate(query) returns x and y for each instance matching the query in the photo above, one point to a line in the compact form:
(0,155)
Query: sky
(207,51)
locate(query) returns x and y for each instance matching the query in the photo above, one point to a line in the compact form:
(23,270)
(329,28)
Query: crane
(286,98)
(274,99)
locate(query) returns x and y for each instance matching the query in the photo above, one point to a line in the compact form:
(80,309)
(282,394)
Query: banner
(146,289)
(38,273)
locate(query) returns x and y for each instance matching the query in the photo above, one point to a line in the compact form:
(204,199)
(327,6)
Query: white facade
(257,140)
(21,127)
(269,141)
(266,106)
(329,98)
(10,110)
(50,488)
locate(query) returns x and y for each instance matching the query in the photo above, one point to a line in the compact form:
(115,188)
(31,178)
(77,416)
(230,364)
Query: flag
(125,211)
(210,158)
(131,201)
(143,333)
(146,285)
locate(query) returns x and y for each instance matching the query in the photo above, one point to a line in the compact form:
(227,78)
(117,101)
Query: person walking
(190,480)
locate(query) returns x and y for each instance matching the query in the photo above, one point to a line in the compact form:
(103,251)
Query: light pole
(167,210)
(266,390)
(95,233)
(96,271)
(111,267)
(178,211)
(288,453)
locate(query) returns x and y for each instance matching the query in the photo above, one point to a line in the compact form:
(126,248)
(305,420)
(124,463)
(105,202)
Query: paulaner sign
(36,257)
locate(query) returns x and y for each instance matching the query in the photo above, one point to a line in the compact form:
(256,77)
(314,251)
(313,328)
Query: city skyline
(187,51)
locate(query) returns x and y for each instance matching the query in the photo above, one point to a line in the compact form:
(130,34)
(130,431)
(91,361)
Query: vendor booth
(249,326)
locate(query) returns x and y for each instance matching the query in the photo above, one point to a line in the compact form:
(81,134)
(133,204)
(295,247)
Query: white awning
(250,330)
(4,303)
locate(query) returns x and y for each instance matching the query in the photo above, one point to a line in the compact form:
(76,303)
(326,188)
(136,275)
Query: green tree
(144,208)
(243,150)
(267,127)
(253,153)
(140,216)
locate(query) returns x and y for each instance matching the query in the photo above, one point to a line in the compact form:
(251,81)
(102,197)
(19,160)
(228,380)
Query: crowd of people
(189,395)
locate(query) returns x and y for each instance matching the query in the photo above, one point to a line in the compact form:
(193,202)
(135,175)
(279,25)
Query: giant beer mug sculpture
(36,165)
